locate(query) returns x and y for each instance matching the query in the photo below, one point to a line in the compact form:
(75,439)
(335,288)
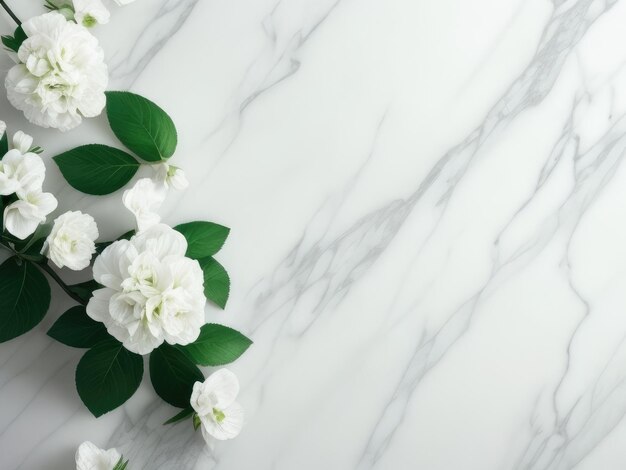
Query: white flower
(21,174)
(90,12)
(61,75)
(71,241)
(22,217)
(144,200)
(22,142)
(152,292)
(214,402)
(169,175)
(90,457)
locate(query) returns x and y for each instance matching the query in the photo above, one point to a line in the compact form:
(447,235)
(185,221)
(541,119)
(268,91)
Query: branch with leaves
(147,289)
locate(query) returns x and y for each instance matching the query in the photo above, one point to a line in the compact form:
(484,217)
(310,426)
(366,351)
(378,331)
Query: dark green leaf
(97,169)
(186,413)
(173,375)
(4,144)
(14,42)
(196,422)
(84,290)
(74,328)
(217,345)
(24,298)
(203,238)
(216,281)
(107,376)
(141,125)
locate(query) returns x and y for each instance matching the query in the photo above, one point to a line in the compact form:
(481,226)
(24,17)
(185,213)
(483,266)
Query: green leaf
(173,375)
(216,281)
(217,345)
(196,422)
(186,413)
(97,169)
(14,42)
(203,238)
(4,144)
(107,376)
(74,328)
(121,465)
(84,290)
(141,125)
(24,298)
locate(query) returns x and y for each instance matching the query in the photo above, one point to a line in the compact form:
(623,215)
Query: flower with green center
(213,400)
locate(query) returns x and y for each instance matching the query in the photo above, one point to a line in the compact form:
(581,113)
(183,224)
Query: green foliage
(74,328)
(173,375)
(217,345)
(141,125)
(14,42)
(186,413)
(216,281)
(96,169)
(24,297)
(204,239)
(107,376)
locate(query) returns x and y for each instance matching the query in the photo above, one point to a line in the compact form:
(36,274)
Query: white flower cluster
(152,292)
(22,173)
(61,75)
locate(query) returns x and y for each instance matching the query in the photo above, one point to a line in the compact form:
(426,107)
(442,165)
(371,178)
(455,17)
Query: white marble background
(428,211)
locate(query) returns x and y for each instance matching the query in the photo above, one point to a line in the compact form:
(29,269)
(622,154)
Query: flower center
(218,415)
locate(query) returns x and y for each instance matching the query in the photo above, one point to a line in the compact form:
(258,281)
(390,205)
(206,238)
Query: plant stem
(46,267)
(10,12)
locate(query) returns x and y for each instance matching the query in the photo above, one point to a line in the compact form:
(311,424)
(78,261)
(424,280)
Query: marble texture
(428,211)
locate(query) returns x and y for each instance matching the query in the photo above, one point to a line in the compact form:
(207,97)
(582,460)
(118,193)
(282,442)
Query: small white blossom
(22,217)
(152,293)
(214,401)
(22,142)
(61,76)
(21,173)
(90,12)
(90,457)
(144,200)
(71,242)
(169,175)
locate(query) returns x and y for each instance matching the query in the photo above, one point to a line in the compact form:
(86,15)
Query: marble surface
(428,211)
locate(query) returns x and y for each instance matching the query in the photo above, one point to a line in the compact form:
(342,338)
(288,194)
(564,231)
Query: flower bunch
(60,76)
(22,173)
(147,290)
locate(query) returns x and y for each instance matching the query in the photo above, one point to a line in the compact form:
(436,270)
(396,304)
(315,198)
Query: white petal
(90,457)
(111,267)
(224,386)
(228,428)
(98,306)
(21,219)
(161,240)
(22,142)
(144,200)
